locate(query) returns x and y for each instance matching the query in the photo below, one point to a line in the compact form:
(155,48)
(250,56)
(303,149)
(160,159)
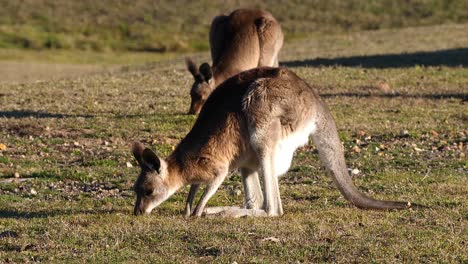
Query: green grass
(165,26)
(406,115)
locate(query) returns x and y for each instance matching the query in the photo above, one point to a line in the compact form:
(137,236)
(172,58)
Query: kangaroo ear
(191,66)
(151,160)
(205,70)
(137,149)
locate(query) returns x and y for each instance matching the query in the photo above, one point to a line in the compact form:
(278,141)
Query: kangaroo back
(243,40)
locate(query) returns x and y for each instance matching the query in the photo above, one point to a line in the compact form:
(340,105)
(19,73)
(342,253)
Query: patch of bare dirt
(27,72)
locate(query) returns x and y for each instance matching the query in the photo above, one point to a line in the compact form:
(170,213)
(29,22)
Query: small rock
(236,192)
(355,172)
(404,133)
(76,144)
(33,192)
(418,149)
(129,165)
(356,149)
(2,147)
(272,239)
(384,87)
(16,175)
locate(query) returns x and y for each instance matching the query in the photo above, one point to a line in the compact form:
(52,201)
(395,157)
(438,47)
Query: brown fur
(240,126)
(245,39)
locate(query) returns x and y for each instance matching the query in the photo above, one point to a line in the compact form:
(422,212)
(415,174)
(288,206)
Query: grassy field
(166,25)
(23,66)
(399,97)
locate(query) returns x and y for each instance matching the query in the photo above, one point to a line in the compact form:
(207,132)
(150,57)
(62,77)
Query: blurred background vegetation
(182,25)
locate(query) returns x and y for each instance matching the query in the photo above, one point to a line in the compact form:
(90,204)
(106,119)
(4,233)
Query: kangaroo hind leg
(270,39)
(265,145)
(253,196)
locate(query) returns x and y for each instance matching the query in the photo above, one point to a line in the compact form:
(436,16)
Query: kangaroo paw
(234,212)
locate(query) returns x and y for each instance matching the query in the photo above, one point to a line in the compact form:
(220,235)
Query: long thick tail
(332,155)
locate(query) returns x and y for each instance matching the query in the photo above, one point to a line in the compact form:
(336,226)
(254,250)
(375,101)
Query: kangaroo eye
(148,192)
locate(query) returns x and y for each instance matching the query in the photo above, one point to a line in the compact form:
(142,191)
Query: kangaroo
(246,39)
(254,122)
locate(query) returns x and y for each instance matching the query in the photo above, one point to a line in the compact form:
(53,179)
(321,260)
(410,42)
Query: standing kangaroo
(244,40)
(254,121)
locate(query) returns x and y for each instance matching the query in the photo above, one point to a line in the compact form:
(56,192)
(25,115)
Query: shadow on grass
(37,114)
(40,114)
(176,114)
(55,212)
(450,58)
(462,96)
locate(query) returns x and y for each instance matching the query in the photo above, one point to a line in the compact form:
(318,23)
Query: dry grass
(73,135)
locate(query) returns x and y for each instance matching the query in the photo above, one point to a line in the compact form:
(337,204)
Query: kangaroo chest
(285,147)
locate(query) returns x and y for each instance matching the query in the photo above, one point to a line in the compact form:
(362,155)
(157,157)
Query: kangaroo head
(151,187)
(202,86)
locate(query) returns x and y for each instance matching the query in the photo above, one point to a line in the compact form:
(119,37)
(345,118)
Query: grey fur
(247,123)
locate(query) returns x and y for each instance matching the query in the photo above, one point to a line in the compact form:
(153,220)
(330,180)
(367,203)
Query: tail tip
(410,205)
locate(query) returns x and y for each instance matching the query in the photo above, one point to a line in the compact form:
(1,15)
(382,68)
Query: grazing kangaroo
(253,121)
(246,39)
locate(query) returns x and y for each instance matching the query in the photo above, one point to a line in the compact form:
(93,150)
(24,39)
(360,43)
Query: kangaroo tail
(332,155)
